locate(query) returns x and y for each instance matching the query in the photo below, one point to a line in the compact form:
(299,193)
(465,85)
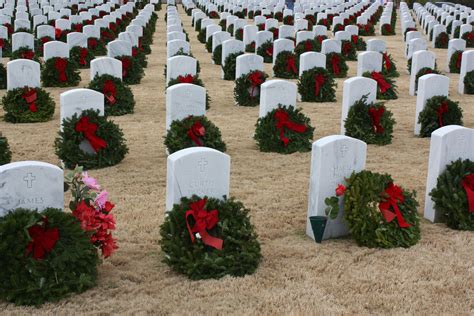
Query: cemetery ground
(296,275)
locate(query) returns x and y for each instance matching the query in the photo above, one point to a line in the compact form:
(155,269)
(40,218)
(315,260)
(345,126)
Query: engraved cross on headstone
(343,150)
(202,164)
(29,178)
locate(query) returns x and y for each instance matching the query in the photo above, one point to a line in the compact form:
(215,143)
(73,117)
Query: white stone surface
(106,66)
(247,63)
(183,100)
(376,45)
(23,73)
(331,46)
(369,61)
(76,101)
(119,48)
(310,60)
(22,39)
(180,66)
(282,45)
(175,46)
(276,92)
(55,49)
(454,45)
(421,59)
(231,46)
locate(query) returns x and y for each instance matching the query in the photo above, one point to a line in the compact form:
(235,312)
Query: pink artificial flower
(101,199)
(90,182)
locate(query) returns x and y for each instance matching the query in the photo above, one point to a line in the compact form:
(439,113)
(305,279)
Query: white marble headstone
(180,66)
(106,66)
(76,39)
(467,65)
(421,59)
(276,92)
(247,63)
(23,73)
(55,49)
(310,60)
(76,101)
(331,46)
(369,61)
(175,46)
(183,100)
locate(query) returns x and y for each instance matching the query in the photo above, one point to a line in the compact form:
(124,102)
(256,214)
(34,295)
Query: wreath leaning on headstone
(359,42)
(453,195)
(3,77)
(27,105)
(193,131)
(82,56)
(424,71)
(469,38)
(286,65)
(371,123)
(192,80)
(24,53)
(455,62)
(5,153)
(132,71)
(247,88)
(118,97)
(6,47)
(217,55)
(389,68)
(469,82)
(439,111)
(284,130)
(442,40)
(208,238)
(386,88)
(348,50)
(388,30)
(96,46)
(336,65)
(266,51)
(60,72)
(230,64)
(90,140)
(317,85)
(309,45)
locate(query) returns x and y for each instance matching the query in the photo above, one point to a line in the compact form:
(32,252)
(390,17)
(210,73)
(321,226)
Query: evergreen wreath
(250,48)
(192,80)
(366,29)
(389,68)
(379,213)
(118,97)
(453,195)
(27,105)
(359,42)
(439,111)
(106,35)
(6,47)
(213,15)
(324,22)
(457,30)
(388,30)
(24,53)
(286,65)
(209,44)
(449,27)
(284,130)
(230,65)
(275,31)
(5,153)
(139,54)
(455,62)
(217,55)
(422,72)
(3,77)
(193,131)
(202,36)
(223,24)
(81,56)
(279,16)
(409,29)
(247,88)
(317,85)
(348,50)
(289,20)
(60,72)
(469,38)
(39,44)
(266,51)
(469,82)
(96,46)
(230,29)
(336,65)
(132,71)
(442,40)
(338,27)
(320,39)
(227,226)
(371,123)
(107,139)
(239,34)
(386,88)
(309,45)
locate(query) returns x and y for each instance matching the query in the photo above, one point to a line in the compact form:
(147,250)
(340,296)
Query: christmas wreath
(469,82)
(359,42)
(3,77)
(388,30)
(279,16)
(309,45)
(106,35)
(409,29)
(217,55)
(193,131)
(422,72)
(266,51)
(24,53)
(320,39)
(288,20)
(386,88)
(209,44)
(202,36)
(247,88)
(311,21)
(192,80)
(39,44)
(366,29)
(81,56)
(118,97)
(5,153)
(103,138)
(379,213)
(276,32)
(132,71)
(455,62)
(371,123)
(250,48)
(60,72)
(453,195)
(207,238)
(139,54)
(230,29)
(261,26)
(284,130)
(239,34)
(336,65)
(286,65)
(338,27)
(230,65)
(317,85)
(324,22)
(442,40)
(223,24)
(457,30)
(439,111)
(389,68)
(28,105)
(213,15)
(449,28)
(96,47)
(61,35)
(469,38)
(348,50)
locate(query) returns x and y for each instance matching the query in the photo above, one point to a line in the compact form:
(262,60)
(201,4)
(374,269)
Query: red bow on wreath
(283,121)
(113,27)
(30,97)
(459,59)
(470,36)
(275,33)
(388,28)
(335,64)
(2,42)
(92,42)
(256,79)
(44,40)
(110,92)
(9,27)
(43,239)
(89,129)
(60,65)
(375,117)
(291,64)
(82,56)
(78,28)
(468,185)
(392,196)
(134,51)
(195,132)
(126,63)
(383,85)
(204,220)
(269,51)
(308,46)
(443,108)
(388,64)
(29,54)
(346,48)
(186,79)
(58,33)
(318,83)
(355,39)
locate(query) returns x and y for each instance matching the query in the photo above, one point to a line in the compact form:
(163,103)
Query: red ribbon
(89,129)
(468,185)
(459,59)
(308,46)
(112,26)
(60,65)
(388,64)
(256,79)
(82,56)
(346,48)
(291,64)
(318,83)
(30,97)
(134,51)
(355,39)
(392,196)
(443,108)
(58,33)
(204,220)
(29,54)
(195,132)
(110,92)
(126,63)
(269,51)
(470,36)
(283,121)
(375,117)
(92,42)
(44,40)
(320,38)
(335,64)
(78,27)
(388,28)
(43,239)
(186,79)
(383,85)
(2,42)
(275,33)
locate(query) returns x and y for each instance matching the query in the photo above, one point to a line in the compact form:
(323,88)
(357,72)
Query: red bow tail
(110,92)
(388,64)
(382,84)
(394,196)
(82,56)
(459,60)
(89,129)
(42,241)
(60,65)
(204,220)
(125,65)
(30,97)
(196,132)
(318,83)
(375,117)
(443,108)
(335,64)
(283,121)
(468,185)
(255,80)
(291,65)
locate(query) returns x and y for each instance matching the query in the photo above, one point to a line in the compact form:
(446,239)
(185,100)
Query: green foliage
(450,198)
(71,267)
(75,55)
(177,138)
(266,51)
(217,55)
(388,29)
(337,69)
(244,93)
(67,143)
(282,68)
(230,65)
(455,62)
(139,54)
(124,99)
(239,256)
(348,50)
(367,29)
(429,120)
(50,76)
(389,71)
(390,93)
(197,81)
(134,73)
(359,43)
(442,40)
(209,44)
(202,36)
(267,135)
(469,38)
(99,48)
(309,45)
(358,123)
(5,153)
(469,82)
(365,190)
(422,72)
(24,53)
(17,110)
(307,86)
(3,77)
(7,48)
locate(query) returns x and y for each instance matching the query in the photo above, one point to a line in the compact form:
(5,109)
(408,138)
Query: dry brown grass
(296,275)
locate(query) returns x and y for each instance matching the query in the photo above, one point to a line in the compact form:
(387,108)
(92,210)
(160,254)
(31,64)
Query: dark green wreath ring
(25,53)
(247,88)
(27,105)
(422,72)
(96,46)
(3,77)
(309,45)
(227,245)
(266,51)
(389,68)
(469,38)
(453,195)
(439,111)
(103,137)
(217,55)
(455,62)
(60,72)
(371,123)
(193,131)
(118,97)
(348,50)
(192,80)
(442,40)
(317,85)
(82,56)
(5,152)
(336,65)
(132,71)
(469,82)
(386,88)
(284,130)
(286,65)
(230,65)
